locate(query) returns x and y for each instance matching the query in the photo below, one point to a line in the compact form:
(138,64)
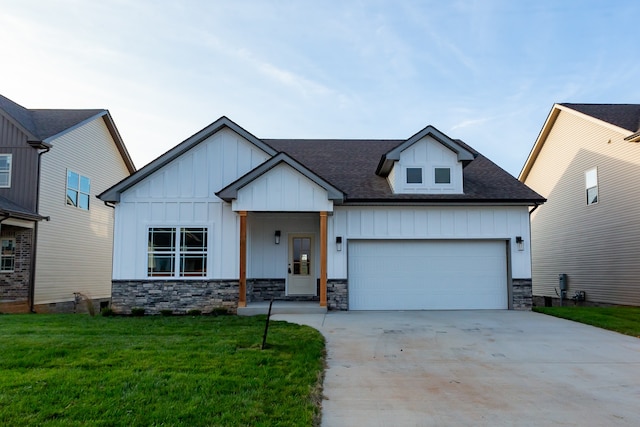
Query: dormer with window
(427,163)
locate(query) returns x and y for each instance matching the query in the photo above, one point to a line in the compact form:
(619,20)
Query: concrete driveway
(498,368)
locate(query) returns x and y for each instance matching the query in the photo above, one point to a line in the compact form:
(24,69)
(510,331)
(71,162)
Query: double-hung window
(177,252)
(7,254)
(78,190)
(591,184)
(5,170)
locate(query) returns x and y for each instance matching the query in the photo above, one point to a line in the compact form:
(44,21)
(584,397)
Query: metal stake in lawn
(266,326)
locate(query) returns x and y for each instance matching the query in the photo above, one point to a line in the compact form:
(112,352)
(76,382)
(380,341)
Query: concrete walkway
(487,368)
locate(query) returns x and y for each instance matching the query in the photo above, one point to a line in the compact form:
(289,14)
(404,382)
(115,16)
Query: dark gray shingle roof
(350,165)
(11,209)
(45,123)
(626,116)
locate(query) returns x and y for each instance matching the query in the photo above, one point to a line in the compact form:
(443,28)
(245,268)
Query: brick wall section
(337,294)
(180,296)
(14,286)
(522,294)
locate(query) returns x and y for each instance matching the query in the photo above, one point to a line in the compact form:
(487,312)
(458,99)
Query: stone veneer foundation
(337,294)
(179,296)
(522,294)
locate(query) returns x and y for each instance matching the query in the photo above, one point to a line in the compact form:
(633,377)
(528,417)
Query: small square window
(414,175)
(442,175)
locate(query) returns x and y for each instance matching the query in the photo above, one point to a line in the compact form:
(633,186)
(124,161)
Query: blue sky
(485,71)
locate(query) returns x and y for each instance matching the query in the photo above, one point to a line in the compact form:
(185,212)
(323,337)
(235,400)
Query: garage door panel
(419,275)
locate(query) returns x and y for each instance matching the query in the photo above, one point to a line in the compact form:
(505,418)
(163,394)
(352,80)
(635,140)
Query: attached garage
(427,274)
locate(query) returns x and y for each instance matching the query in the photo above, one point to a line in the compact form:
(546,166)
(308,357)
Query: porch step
(281,307)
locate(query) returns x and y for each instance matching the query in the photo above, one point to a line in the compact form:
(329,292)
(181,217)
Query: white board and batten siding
(182,193)
(75,247)
(427,154)
(267,259)
(430,223)
(282,189)
(596,245)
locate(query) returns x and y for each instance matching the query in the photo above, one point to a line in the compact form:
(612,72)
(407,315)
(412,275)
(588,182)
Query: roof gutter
(448,202)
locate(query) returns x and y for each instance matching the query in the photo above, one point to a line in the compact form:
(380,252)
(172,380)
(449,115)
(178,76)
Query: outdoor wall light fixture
(520,243)
(338,243)
(277,237)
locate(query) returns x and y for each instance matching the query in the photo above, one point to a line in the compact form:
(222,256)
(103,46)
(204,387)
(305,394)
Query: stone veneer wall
(337,294)
(522,294)
(14,286)
(180,296)
(265,289)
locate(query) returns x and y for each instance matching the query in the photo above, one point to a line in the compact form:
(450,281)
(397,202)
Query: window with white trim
(8,255)
(177,252)
(78,190)
(591,184)
(5,170)
(442,175)
(414,175)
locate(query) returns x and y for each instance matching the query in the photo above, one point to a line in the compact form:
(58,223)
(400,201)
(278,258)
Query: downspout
(34,244)
(536,206)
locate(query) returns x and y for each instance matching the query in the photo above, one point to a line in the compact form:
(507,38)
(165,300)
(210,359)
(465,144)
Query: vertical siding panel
(461,222)
(367,223)
(381,223)
(171,212)
(434,223)
(24,165)
(408,223)
(474,220)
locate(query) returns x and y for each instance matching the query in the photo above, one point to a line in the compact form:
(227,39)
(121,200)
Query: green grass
(625,320)
(76,370)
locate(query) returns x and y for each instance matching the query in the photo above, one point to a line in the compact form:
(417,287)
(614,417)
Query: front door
(301,277)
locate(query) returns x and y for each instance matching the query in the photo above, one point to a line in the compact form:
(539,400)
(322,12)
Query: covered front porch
(283,211)
(283,258)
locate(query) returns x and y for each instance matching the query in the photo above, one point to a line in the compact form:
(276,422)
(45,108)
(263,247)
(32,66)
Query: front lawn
(625,320)
(72,370)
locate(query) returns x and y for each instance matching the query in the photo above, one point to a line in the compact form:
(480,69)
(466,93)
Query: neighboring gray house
(226,219)
(56,238)
(586,162)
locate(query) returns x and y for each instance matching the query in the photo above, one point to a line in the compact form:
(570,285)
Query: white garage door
(427,275)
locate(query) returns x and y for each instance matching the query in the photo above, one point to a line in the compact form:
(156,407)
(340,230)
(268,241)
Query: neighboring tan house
(586,162)
(226,219)
(57,238)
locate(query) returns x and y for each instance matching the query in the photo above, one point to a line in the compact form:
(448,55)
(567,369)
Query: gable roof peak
(387,160)
(113,194)
(230,192)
